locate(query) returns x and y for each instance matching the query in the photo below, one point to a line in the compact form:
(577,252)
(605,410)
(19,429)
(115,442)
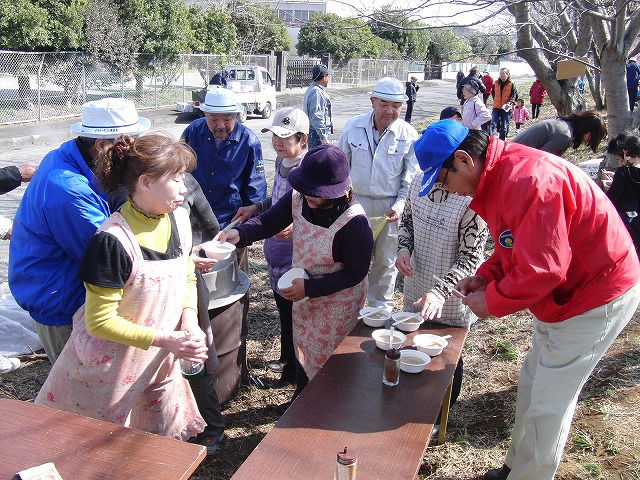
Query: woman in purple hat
(332,242)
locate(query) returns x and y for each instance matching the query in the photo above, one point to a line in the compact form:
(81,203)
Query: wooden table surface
(387,428)
(83,448)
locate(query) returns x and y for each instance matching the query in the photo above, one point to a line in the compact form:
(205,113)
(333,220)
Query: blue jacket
(231,176)
(60,211)
(633,74)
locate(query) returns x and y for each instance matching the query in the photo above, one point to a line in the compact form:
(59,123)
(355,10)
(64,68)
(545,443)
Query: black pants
(535,110)
(485,97)
(633,97)
(407,116)
(287,351)
(207,400)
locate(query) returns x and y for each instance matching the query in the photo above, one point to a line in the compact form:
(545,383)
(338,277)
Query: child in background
(520,114)
(624,191)
(475,114)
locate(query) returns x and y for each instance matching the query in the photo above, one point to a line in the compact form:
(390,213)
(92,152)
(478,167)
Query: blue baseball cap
(437,143)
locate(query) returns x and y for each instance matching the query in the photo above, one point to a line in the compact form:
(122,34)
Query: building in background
(295,14)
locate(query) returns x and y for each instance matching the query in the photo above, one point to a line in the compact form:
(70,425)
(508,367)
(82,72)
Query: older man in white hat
(379,146)
(230,167)
(60,211)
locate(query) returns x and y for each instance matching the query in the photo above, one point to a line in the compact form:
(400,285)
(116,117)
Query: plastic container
(391,373)
(346,466)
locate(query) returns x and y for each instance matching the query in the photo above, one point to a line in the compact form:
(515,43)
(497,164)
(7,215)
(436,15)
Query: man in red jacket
(562,252)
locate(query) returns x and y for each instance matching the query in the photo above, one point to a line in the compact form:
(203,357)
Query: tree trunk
(614,77)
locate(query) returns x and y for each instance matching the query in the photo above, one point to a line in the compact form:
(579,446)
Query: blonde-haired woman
(121,362)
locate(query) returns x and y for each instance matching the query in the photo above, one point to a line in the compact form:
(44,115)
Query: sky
(454,14)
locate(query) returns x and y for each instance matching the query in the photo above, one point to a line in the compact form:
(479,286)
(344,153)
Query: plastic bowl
(413,361)
(219,251)
(289,276)
(430,344)
(376,319)
(410,325)
(381,337)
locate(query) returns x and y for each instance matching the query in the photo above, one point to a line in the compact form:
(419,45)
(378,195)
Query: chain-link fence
(369,71)
(42,86)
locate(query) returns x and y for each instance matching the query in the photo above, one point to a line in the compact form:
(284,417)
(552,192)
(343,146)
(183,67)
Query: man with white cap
(59,213)
(379,146)
(562,252)
(230,166)
(317,106)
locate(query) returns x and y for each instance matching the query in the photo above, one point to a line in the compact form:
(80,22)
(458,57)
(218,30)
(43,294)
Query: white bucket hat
(389,89)
(110,117)
(289,121)
(221,100)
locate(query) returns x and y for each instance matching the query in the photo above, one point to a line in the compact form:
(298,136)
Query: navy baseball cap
(320,71)
(437,143)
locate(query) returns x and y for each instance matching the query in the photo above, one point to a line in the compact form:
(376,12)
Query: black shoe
(497,474)
(266,384)
(280,409)
(435,432)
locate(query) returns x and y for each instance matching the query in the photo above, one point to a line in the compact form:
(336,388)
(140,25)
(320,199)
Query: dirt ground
(604,442)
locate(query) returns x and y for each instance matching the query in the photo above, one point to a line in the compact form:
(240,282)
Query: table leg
(444,415)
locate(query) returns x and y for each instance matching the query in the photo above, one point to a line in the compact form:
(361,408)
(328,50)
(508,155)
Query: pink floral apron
(111,381)
(320,324)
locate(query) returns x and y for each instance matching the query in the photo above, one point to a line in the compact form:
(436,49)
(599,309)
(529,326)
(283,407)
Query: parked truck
(253,87)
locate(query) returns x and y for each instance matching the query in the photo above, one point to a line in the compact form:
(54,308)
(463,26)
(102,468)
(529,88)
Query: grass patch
(506,351)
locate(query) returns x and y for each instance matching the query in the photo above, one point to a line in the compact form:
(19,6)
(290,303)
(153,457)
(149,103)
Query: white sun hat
(289,121)
(110,117)
(221,100)
(390,89)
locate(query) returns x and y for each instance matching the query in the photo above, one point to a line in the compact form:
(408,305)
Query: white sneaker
(8,364)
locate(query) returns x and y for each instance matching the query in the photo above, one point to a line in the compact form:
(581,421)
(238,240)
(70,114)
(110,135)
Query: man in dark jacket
(633,77)
(473,77)
(411,92)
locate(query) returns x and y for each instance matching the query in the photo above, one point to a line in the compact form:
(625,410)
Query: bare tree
(547,32)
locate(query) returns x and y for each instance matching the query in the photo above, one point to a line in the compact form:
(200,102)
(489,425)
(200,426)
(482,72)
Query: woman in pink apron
(332,242)
(121,361)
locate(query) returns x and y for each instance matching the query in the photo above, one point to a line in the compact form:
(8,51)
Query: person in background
(58,215)
(220,78)
(379,147)
(411,92)
(504,96)
(230,167)
(474,78)
(120,364)
(290,129)
(520,114)
(624,191)
(633,79)
(557,134)
(459,76)
(317,106)
(578,277)
(12,177)
(439,235)
(475,113)
(537,93)
(332,242)
(451,113)
(487,81)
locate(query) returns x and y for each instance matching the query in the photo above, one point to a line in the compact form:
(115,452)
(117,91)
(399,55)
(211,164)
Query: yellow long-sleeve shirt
(101,306)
